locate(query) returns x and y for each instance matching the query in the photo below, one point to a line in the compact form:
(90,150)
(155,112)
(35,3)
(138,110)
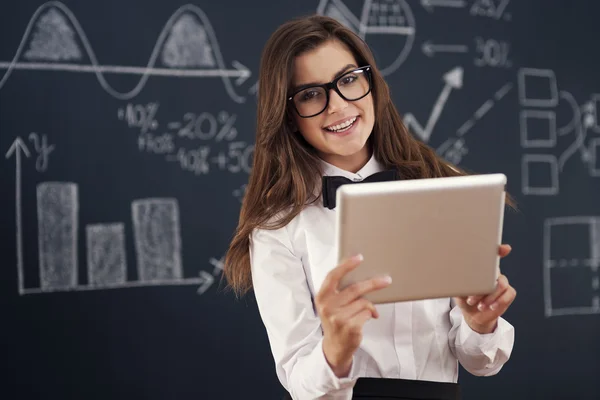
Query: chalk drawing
(58,222)
(53,39)
(106,256)
(17,148)
(43,149)
(187,44)
(540,97)
(454,148)
(453,79)
(157,239)
(156,232)
(495,9)
(142,116)
(492,53)
(539,174)
(430,5)
(530,92)
(430,49)
(571,261)
(392,19)
(533,117)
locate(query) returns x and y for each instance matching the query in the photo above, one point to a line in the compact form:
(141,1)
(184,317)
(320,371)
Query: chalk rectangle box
(538,128)
(57,209)
(537,87)
(571,261)
(539,174)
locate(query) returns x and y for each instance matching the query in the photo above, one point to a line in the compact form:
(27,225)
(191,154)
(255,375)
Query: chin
(348,149)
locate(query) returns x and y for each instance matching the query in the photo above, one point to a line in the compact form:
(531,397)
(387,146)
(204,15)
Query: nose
(336,103)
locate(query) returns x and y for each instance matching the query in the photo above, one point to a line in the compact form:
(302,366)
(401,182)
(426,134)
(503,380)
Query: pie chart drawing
(382,24)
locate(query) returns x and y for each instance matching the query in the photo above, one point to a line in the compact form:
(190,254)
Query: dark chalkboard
(128,130)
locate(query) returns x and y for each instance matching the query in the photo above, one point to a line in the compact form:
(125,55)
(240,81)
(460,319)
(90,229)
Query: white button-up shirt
(421,340)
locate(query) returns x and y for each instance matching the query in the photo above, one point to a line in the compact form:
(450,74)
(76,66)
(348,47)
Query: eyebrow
(337,74)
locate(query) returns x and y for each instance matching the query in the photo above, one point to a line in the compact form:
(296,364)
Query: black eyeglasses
(351,86)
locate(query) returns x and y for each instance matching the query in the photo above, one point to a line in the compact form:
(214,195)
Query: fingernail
(386,279)
(493,306)
(470,301)
(480,306)
(358,257)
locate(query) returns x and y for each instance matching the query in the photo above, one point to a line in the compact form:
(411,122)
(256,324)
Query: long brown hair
(285,167)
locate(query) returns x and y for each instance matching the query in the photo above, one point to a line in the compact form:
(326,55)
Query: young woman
(324,109)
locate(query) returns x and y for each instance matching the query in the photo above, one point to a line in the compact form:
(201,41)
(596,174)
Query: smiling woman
(324,109)
(339,124)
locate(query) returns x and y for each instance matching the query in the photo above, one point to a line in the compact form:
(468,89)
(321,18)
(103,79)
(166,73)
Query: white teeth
(342,126)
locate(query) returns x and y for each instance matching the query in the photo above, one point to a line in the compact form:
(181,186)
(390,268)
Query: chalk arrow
(17,148)
(430,49)
(430,4)
(244,72)
(453,80)
(207,279)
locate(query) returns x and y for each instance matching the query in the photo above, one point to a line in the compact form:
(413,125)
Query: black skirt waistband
(402,389)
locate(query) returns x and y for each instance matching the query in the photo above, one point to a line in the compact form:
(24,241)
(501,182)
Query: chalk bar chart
(156,235)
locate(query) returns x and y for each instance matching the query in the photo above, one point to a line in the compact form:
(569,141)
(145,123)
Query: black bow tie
(332,183)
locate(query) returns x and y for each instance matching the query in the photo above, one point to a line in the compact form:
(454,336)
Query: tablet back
(436,237)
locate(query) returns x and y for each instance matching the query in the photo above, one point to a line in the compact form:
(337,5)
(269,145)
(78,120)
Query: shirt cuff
(327,380)
(468,339)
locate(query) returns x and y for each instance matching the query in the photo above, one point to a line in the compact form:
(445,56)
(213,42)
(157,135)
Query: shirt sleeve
(293,328)
(480,354)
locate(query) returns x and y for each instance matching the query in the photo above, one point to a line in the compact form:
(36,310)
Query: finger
(332,280)
(350,310)
(502,286)
(504,250)
(461,301)
(473,300)
(358,320)
(361,288)
(504,301)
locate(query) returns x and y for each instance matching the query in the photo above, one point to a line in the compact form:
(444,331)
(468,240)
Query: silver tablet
(435,237)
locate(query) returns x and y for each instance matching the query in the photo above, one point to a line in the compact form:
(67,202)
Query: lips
(341,125)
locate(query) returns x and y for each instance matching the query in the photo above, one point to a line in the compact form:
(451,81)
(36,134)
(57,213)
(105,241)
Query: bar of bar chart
(571,266)
(106,256)
(57,209)
(154,225)
(157,239)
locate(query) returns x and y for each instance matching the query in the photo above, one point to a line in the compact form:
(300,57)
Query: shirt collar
(372,166)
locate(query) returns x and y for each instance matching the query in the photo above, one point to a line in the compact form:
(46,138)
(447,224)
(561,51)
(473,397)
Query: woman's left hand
(482,312)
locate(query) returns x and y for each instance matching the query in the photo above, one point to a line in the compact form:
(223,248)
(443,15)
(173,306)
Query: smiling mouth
(344,126)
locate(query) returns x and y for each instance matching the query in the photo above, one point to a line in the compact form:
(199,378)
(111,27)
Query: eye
(348,79)
(308,95)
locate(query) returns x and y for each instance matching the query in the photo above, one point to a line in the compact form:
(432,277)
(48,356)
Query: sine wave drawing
(186,47)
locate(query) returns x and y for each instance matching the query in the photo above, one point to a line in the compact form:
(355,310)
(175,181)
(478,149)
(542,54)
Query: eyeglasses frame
(333,85)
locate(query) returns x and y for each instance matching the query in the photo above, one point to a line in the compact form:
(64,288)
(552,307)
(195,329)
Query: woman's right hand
(343,314)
